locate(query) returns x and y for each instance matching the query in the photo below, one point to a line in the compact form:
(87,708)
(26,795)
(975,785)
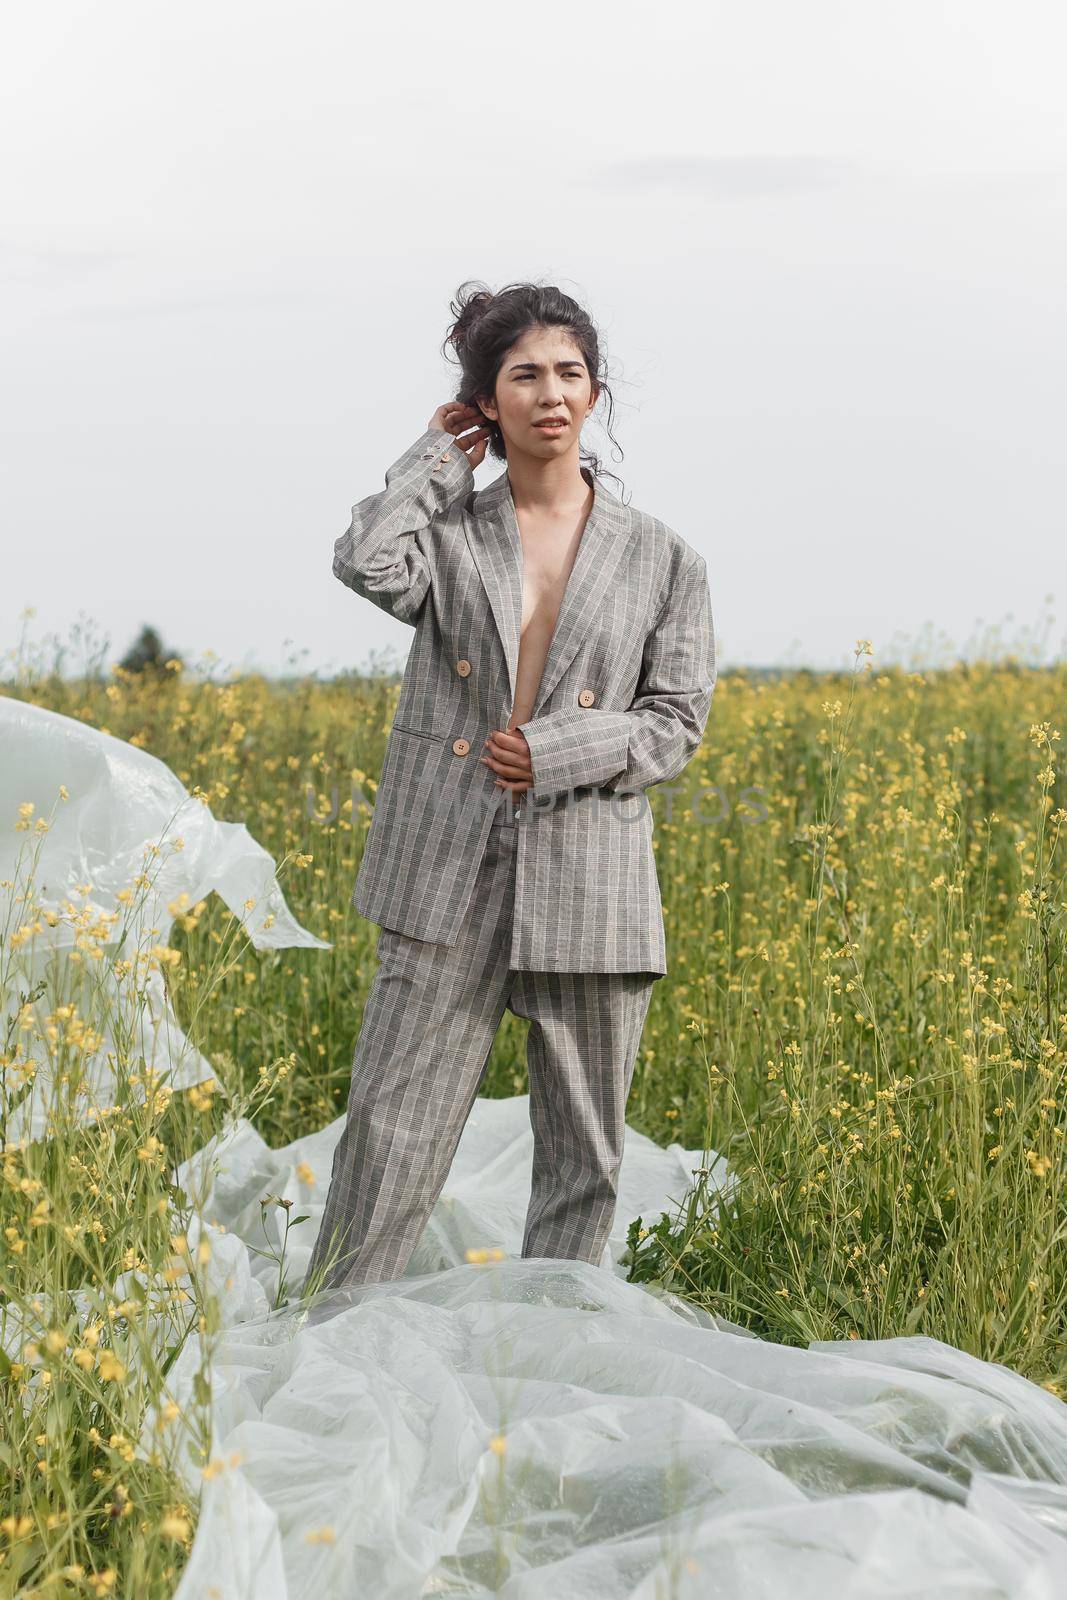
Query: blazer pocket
(419,733)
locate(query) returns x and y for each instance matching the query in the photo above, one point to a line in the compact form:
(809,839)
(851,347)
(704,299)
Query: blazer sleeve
(378,555)
(657,736)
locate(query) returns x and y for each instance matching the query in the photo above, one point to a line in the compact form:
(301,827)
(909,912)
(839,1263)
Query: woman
(563,660)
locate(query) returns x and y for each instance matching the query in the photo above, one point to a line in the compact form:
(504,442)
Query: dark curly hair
(486,327)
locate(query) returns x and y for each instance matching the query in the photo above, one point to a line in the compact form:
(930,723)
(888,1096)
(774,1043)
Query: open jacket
(623,702)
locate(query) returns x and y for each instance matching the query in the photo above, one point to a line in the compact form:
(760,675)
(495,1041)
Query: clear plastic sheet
(122,802)
(648,1450)
(533,1428)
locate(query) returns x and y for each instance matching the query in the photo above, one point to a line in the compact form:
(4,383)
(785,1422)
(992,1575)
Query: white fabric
(884,1468)
(650,1451)
(121,802)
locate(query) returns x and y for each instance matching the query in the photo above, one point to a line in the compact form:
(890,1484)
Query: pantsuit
(428,1027)
(549,907)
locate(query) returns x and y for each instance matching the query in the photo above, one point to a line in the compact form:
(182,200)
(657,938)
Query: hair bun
(468,313)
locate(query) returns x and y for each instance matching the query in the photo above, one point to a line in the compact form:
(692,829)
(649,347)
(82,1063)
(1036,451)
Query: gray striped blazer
(623,702)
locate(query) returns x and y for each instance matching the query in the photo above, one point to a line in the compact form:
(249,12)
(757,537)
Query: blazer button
(463,668)
(586,697)
(460,746)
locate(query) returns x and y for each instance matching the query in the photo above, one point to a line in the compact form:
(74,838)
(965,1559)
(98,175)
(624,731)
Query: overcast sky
(825,243)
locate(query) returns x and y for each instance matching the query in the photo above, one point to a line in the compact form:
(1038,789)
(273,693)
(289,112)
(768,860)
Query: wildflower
(174,1526)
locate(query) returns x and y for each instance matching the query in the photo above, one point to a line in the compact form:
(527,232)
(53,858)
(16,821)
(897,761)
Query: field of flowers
(866,911)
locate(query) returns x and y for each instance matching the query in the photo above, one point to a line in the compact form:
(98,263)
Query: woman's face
(543,375)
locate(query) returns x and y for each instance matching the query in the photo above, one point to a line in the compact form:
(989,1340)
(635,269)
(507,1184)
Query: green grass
(864,1014)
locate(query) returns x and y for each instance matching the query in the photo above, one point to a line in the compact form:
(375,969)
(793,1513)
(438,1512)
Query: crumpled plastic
(645,1442)
(122,801)
(527,1428)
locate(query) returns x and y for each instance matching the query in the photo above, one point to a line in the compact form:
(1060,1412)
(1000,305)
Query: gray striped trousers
(427,1031)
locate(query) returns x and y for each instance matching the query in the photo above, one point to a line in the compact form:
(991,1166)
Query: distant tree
(147,653)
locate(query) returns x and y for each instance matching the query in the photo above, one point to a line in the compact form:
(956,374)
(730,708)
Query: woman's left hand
(508,755)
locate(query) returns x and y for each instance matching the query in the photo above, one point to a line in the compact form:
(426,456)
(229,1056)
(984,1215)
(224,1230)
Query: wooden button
(463,668)
(460,746)
(586,697)
(447,456)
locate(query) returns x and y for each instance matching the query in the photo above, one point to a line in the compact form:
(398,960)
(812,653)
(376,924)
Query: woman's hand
(459,419)
(509,755)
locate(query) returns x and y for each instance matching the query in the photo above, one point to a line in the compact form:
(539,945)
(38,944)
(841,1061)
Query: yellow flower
(174,1526)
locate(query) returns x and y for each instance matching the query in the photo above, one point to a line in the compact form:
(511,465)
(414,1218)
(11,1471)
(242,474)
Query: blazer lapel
(496,545)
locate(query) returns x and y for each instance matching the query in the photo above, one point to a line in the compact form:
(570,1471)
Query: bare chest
(548,557)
